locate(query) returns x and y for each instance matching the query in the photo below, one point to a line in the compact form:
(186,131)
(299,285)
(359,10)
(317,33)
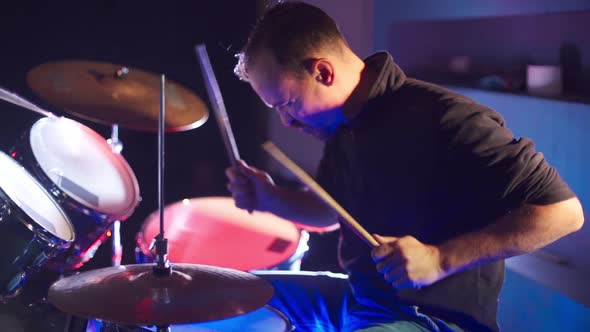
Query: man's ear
(321,69)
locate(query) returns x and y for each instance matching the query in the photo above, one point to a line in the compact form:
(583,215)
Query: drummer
(447,189)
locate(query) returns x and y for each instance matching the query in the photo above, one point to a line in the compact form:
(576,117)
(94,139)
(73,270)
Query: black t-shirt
(421,160)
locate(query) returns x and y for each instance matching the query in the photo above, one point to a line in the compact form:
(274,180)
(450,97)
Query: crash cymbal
(213,231)
(109,94)
(135,295)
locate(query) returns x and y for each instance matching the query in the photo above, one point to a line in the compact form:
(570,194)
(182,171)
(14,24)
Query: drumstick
(218,105)
(307,180)
(17,100)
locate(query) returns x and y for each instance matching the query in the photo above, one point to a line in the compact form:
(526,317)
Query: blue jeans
(323,302)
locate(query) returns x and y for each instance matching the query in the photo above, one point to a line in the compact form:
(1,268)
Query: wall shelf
(496,46)
(472,85)
(387,12)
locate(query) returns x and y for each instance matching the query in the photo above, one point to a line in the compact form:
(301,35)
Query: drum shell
(143,254)
(31,312)
(213,231)
(26,246)
(90,225)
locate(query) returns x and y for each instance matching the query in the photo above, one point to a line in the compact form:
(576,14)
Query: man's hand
(251,188)
(406,262)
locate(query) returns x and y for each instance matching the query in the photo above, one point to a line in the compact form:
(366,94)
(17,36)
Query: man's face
(302,101)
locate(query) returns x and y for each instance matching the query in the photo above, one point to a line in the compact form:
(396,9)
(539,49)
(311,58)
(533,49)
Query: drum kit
(63,188)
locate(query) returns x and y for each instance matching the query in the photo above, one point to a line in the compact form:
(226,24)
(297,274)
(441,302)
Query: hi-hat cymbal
(109,94)
(135,295)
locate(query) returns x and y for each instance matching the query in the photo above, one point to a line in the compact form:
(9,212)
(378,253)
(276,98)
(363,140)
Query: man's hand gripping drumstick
(404,262)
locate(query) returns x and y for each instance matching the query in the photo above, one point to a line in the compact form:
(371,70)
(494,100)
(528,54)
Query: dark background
(156,36)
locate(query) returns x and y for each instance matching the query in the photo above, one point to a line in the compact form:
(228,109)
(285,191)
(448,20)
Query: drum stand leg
(117,247)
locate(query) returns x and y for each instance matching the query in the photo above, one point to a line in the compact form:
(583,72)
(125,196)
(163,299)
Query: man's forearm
(305,208)
(522,231)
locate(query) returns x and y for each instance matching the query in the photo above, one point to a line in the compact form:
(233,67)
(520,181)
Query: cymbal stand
(114,141)
(117,247)
(117,147)
(162,267)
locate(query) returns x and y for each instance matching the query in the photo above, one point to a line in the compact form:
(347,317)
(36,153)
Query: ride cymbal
(109,94)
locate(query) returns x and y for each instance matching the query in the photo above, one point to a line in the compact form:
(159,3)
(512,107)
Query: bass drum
(93,184)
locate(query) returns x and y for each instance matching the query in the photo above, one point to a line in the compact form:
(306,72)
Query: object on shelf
(501,83)
(544,80)
(460,64)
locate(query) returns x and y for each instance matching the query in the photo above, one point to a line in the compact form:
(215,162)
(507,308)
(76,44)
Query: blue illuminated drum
(265,319)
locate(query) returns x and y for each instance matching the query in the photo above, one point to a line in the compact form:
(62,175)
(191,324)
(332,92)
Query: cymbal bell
(109,94)
(135,295)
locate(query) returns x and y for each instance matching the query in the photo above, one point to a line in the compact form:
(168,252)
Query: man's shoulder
(434,93)
(446,102)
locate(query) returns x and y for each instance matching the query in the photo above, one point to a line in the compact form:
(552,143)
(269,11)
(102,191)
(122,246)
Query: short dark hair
(290,30)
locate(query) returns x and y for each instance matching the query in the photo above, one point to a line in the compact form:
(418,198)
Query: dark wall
(501,45)
(158,36)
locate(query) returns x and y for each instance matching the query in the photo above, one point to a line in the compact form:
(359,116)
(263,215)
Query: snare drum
(33,227)
(264,319)
(213,231)
(94,185)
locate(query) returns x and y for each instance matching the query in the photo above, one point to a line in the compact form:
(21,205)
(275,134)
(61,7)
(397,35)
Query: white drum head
(28,194)
(81,163)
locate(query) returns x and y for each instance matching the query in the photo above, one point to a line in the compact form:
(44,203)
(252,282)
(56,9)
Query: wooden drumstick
(217,104)
(17,100)
(218,107)
(308,181)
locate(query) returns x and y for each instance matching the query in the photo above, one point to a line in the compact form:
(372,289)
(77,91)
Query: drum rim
(288,323)
(81,206)
(143,246)
(37,228)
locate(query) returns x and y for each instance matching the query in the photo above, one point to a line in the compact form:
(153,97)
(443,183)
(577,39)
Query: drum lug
(56,192)
(4,211)
(41,259)
(13,289)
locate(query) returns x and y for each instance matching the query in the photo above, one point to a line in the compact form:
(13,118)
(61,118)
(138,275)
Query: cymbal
(109,94)
(213,231)
(135,295)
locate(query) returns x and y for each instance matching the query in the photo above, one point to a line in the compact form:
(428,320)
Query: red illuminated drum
(213,231)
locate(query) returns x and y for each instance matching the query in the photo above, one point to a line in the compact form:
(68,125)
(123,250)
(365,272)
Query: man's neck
(360,92)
